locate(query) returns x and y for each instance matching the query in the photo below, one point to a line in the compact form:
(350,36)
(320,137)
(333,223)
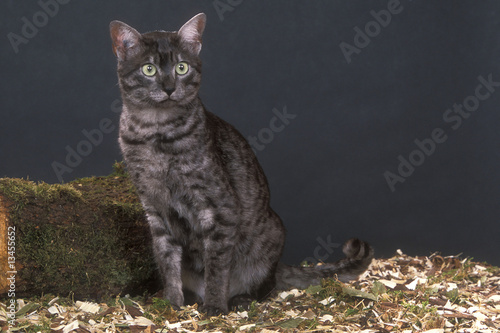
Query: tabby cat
(216,239)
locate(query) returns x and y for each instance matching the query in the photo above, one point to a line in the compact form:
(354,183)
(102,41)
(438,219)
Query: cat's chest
(169,190)
(180,176)
(167,173)
(183,175)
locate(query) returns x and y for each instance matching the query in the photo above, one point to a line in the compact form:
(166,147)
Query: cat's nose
(169,91)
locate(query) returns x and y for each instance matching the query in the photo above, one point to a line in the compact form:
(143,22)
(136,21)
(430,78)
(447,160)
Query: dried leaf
(312,290)
(308,315)
(359,293)
(27,309)
(378,288)
(290,323)
(106,312)
(133,311)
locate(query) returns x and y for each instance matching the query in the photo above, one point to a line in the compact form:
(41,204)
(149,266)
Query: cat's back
(232,147)
(240,165)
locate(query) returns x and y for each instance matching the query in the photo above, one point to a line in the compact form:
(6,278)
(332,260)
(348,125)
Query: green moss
(119,170)
(253,310)
(23,191)
(351,312)
(89,236)
(332,288)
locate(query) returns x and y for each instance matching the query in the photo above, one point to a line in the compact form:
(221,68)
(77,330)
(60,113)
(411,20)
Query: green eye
(149,69)
(181,68)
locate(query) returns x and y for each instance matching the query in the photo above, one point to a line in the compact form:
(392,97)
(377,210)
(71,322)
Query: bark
(88,237)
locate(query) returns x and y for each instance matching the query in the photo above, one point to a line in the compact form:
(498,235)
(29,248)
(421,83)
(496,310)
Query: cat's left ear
(191,32)
(126,40)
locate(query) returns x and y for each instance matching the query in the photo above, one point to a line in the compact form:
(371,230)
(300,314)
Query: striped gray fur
(215,236)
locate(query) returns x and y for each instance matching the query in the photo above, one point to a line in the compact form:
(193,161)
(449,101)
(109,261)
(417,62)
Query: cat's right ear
(126,40)
(191,32)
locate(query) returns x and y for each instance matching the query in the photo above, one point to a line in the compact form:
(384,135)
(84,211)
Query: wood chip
(440,293)
(133,311)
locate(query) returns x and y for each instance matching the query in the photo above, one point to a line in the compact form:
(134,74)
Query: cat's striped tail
(358,257)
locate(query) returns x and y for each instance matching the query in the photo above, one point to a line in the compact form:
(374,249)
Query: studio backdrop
(372,119)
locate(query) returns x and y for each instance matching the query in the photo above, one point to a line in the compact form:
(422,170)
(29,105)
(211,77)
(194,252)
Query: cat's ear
(126,40)
(191,32)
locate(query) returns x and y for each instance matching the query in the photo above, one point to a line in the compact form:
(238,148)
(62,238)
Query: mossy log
(88,237)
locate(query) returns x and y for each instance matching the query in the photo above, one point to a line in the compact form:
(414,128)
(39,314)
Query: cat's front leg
(168,255)
(219,247)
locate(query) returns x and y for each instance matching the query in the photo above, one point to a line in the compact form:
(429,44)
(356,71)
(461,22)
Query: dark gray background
(326,167)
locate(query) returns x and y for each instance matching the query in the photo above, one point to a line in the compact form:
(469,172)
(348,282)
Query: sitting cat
(206,197)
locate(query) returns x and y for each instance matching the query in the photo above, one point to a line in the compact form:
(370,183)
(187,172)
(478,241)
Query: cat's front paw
(213,311)
(175,307)
(176,300)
